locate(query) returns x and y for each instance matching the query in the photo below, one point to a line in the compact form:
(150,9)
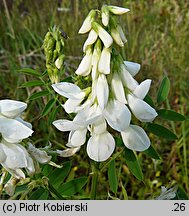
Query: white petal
(16,157)
(142,90)
(105,15)
(77,138)
(117,38)
(13,131)
(59,61)
(68,152)
(10,187)
(141,110)
(99,126)
(118,10)
(92,37)
(11,108)
(104,62)
(117,115)
(117,88)
(86,26)
(103,35)
(135,138)
(66,125)
(27,124)
(132,67)
(2,154)
(121,33)
(95,59)
(85,65)
(127,79)
(71,105)
(68,90)
(100,147)
(39,155)
(88,115)
(102,91)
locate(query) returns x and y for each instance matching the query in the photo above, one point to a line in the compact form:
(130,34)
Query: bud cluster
(53,49)
(113,96)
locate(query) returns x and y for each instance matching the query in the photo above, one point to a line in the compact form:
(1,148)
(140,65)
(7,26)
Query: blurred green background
(158,39)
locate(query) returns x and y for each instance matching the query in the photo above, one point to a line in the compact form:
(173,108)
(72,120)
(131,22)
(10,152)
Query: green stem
(95,173)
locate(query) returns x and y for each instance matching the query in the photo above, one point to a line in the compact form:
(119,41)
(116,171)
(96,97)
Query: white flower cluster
(113,95)
(13,129)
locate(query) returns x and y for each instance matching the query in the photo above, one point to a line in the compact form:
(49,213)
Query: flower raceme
(112,98)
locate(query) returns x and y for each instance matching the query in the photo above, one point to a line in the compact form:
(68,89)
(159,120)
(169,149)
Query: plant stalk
(95,173)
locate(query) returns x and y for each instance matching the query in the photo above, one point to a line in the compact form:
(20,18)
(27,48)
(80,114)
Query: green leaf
(29,71)
(119,142)
(181,194)
(58,175)
(32,83)
(48,107)
(72,187)
(112,177)
(170,115)
(133,164)
(149,100)
(151,152)
(53,114)
(161,131)
(37,95)
(163,90)
(39,194)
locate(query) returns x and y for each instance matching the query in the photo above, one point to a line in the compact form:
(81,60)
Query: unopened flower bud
(86,26)
(59,61)
(118,10)
(105,15)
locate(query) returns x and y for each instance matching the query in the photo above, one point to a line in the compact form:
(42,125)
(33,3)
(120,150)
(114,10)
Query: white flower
(86,26)
(85,65)
(117,38)
(118,10)
(117,115)
(102,91)
(11,108)
(135,138)
(69,90)
(39,155)
(104,62)
(67,152)
(117,88)
(132,67)
(10,186)
(105,15)
(13,131)
(121,33)
(142,90)
(99,126)
(92,37)
(12,128)
(167,194)
(127,79)
(141,110)
(15,158)
(100,146)
(59,61)
(103,34)
(77,138)
(95,59)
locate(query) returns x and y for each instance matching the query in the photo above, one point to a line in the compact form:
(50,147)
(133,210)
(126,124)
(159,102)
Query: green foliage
(163,90)
(161,131)
(133,164)
(112,177)
(170,115)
